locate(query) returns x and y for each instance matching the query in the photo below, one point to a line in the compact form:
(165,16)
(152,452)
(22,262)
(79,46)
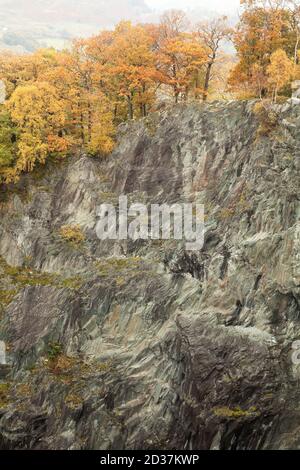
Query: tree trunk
(207,80)
(89,122)
(296,60)
(144,106)
(82,128)
(176,92)
(275,94)
(197,84)
(130,106)
(115,111)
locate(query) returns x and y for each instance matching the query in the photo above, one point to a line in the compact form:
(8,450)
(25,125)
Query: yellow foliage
(4,394)
(279,71)
(61,100)
(234,413)
(72,233)
(267,117)
(39,117)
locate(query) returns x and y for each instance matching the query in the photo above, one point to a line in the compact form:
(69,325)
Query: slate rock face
(141,344)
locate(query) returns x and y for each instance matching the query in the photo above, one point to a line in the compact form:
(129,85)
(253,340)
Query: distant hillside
(70,11)
(28,24)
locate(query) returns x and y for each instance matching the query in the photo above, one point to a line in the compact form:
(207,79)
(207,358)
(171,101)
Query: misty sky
(221,5)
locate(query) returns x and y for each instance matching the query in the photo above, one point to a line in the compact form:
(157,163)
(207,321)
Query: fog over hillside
(28,24)
(221,6)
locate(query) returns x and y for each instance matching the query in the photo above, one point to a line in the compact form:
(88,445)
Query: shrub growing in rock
(72,233)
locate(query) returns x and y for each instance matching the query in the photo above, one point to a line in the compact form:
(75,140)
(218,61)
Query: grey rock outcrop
(129,345)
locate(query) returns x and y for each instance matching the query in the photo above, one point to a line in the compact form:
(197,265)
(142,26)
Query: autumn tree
(264,27)
(39,117)
(172,24)
(8,139)
(79,86)
(211,34)
(18,70)
(279,71)
(124,68)
(179,55)
(133,65)
(294,11)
